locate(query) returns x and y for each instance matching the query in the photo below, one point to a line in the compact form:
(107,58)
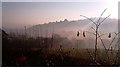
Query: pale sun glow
(112,8)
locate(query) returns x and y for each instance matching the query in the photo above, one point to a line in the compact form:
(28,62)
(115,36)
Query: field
(22,51)
(58,57)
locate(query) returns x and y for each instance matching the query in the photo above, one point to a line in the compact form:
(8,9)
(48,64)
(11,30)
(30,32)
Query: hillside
(70,28)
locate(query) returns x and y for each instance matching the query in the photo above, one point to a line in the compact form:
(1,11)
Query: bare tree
(96,29)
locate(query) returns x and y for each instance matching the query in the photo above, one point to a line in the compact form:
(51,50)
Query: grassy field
(58,57)
(20,51)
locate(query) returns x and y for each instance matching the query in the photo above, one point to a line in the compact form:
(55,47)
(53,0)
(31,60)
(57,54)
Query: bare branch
(89,19)
(93,28)
(102,41)
(112,40)
(103,20)
(105,34)
(90,32)
(111,44)
(100,38)
(117,42)
(91,56)
(101,15)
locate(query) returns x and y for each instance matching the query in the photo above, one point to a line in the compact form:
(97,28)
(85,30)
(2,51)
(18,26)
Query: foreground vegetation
(57,57)
(22,51)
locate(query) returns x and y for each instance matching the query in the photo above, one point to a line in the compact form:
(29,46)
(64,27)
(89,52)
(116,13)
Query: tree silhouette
(96,29)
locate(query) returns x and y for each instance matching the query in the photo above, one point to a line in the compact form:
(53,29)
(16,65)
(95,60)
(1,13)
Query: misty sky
(19,14)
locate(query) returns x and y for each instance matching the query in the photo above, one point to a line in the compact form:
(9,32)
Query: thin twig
(89,19)
(103,20)
(101,15)
(91,56)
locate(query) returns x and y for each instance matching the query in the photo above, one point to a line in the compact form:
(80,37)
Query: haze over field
(68,31)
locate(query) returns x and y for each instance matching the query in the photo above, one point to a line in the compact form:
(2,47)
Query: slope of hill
(67,31)
(69,28)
